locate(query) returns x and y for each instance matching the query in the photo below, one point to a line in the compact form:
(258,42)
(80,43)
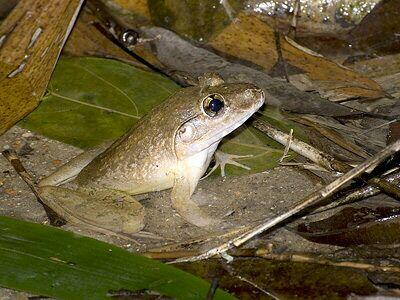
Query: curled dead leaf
(355,226)
(252,40)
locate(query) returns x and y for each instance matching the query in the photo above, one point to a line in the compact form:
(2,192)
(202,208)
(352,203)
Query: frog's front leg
(222,159)
(181,201)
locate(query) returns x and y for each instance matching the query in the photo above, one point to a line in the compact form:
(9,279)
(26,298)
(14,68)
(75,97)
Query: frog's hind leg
(181,201)
(71,169)
(107,210)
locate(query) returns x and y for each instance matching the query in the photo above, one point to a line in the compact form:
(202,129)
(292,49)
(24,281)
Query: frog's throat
(216,138)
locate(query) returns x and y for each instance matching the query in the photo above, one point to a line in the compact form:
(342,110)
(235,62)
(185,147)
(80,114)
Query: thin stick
(386,187)
(306,166)
(273,296)
(360,193)
(377,127)
(293,25)
(228,9)
(12,157)
(232,272)
(281,60)
(303,258)
(213,289)
(168,255)
(308,201)
(287,147)
(290,257)
(198,241)
(323,159)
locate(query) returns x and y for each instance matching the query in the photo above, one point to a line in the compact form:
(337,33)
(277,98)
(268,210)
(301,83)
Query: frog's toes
(222,159)
(201,220)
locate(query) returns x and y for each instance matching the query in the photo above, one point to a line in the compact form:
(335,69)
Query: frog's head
(217,109)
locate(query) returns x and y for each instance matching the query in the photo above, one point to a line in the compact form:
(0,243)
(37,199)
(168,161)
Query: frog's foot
(113,211)
(222,159)
(186,207)
(193,214)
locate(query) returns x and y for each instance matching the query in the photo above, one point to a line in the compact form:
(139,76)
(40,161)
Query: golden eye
(212,104)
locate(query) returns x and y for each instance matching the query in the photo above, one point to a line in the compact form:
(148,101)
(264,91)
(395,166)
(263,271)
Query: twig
(308,201)
(377,127)
(291,257)
(168,255)
(293,26)
(281,61)
(303,258)
(198,241)
(213,289)
(12,157)
(304,149)
(386,187)
(360,193)
(273,296)
(228,8)
(306,166)
(287,147)
(232,272)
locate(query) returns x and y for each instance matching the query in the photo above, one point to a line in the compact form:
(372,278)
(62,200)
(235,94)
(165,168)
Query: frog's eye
(213,104)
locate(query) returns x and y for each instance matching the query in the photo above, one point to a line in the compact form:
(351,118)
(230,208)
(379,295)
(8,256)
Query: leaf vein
(93,105)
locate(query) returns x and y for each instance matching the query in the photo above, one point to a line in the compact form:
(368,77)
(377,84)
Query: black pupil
(216,105)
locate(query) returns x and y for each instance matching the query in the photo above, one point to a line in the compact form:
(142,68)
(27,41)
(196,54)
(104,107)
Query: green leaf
(249,141)
(265,151)
(91,100)
(47,261)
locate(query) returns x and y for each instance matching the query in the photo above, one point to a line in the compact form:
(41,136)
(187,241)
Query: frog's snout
(255,95)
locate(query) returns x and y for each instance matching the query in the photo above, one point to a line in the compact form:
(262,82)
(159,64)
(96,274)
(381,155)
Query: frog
(170,147)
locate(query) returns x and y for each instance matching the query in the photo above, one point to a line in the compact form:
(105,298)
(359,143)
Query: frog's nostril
(260,93)
(255,94)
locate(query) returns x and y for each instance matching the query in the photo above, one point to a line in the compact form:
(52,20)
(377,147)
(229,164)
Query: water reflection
(350,11)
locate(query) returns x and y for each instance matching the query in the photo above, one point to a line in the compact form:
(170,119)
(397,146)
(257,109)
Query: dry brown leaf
(31,39)
(139,7)
(394,133)
(335,136)
(379,66)
(250,39)
(378,31)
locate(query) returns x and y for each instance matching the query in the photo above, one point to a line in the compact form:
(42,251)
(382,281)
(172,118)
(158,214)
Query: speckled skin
(169,147)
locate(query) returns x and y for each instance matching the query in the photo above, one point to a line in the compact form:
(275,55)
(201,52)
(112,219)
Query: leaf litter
(350,129)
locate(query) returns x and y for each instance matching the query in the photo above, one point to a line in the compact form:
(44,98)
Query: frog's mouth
(220,135)
(216,138)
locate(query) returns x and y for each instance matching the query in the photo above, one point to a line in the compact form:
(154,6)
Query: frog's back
(143,159)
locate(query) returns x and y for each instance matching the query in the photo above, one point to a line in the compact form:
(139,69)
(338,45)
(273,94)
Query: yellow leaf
(31,39)
(139,7)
